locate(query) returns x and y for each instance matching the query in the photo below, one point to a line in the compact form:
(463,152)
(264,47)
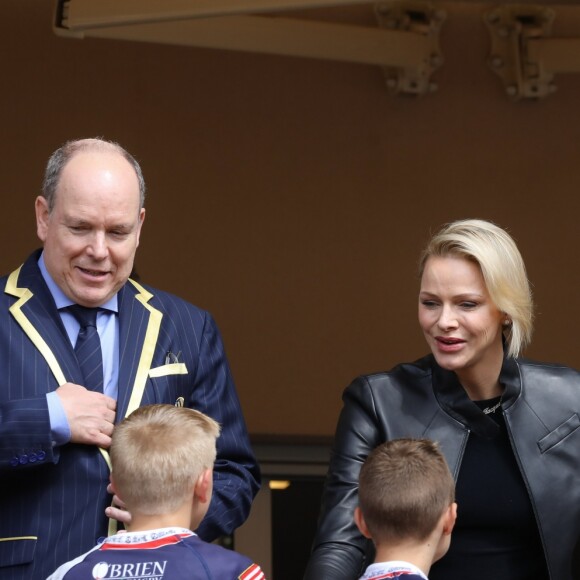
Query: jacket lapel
(37,315)
(139,325)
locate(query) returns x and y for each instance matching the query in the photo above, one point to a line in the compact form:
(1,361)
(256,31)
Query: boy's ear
(449,519)
(113,487)
(203,486)
(359,520)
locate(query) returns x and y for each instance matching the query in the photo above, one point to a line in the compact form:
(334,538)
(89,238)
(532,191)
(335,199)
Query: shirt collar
(133,538)
(60,298)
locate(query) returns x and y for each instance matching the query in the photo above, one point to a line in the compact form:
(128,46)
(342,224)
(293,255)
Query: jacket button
(14,462)
(41,455)
(32,458)
(23,459)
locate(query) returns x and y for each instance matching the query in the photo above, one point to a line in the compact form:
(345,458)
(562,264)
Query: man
(57,412)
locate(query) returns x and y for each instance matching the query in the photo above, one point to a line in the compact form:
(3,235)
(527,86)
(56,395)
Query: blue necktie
(88,347)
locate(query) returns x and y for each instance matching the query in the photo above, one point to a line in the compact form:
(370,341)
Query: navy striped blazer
(53,499)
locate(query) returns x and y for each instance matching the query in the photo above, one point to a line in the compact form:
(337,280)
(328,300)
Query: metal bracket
(514,29)
(421,19)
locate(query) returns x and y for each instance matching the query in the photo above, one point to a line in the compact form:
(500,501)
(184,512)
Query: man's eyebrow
(77,221)
(124,226)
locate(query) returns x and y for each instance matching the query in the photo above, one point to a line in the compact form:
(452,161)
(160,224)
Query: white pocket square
(171,369)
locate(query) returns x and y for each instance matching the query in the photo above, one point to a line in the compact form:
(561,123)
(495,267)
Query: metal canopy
(404,41)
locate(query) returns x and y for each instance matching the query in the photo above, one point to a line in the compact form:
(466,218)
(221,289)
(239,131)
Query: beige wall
(291,197)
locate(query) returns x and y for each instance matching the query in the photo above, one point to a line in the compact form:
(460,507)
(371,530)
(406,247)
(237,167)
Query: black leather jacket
(541,406)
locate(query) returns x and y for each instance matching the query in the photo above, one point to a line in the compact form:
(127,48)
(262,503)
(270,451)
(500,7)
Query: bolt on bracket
(422,20)
(513,28)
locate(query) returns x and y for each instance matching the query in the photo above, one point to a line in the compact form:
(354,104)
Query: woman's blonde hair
(503,269)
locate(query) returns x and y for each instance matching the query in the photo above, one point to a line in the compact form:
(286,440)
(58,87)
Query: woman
(509,429)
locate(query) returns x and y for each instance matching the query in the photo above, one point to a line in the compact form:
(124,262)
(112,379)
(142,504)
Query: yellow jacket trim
(151,335)
(25,295)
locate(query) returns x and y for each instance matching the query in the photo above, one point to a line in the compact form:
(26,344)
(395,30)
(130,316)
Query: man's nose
(98,248)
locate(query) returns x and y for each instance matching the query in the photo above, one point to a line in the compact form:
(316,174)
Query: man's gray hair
(66,152)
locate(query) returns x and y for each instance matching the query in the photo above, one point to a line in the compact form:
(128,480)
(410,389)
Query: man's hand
(91,415)
(117,511)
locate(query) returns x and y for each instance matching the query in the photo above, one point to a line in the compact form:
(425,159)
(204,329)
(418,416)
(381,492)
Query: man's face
(91,235)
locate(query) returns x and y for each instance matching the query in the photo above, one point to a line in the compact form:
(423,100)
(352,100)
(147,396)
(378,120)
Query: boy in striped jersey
(162,461)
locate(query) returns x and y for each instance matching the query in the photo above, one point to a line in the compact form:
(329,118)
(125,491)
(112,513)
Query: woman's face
(461,324)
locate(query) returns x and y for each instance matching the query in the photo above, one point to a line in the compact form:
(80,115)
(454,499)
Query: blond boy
(162,461)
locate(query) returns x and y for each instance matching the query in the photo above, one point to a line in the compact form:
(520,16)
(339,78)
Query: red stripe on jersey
(151,545)
(254,572)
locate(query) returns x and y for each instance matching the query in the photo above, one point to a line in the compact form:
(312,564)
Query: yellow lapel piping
(25,295)
(151,335)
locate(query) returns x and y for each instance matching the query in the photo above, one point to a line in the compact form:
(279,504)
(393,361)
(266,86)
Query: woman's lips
(449,344)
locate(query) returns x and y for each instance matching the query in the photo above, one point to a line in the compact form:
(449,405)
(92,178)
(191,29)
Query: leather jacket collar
(453,398)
